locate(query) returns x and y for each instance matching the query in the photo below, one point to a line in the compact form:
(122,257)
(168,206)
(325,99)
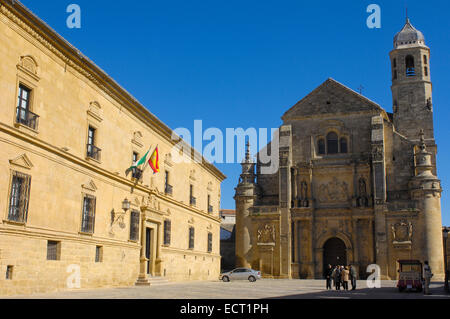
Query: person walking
(353,277)
(345,278)
(328,273)
(337,278)
(427,275)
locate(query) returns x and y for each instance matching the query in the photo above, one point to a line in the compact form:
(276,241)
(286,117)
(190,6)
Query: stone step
(152,281)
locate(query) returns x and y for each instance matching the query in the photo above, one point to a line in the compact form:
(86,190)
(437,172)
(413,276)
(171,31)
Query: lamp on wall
(116,216)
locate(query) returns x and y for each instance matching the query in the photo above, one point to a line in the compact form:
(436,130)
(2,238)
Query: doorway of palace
(148,248)
(334,253)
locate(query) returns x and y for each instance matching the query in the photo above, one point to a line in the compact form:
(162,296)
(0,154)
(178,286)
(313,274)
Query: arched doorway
(334,253)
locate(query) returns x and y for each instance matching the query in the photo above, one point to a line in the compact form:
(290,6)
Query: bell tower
(411,84)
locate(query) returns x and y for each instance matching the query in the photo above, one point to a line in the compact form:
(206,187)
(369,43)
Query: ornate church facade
(355,185)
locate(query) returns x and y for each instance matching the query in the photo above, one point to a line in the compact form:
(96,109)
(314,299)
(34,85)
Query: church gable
(331,97)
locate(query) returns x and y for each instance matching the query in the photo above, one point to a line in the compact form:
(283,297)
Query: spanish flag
(154,161)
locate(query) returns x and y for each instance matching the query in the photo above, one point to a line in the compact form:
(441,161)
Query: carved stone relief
(266,234)
(333,192)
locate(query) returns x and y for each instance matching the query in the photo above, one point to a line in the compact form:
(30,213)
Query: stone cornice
(39,30)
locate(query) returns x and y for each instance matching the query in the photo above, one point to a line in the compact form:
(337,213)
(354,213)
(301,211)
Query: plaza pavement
(262,289)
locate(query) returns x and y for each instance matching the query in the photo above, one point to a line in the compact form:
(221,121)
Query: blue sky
(244,63)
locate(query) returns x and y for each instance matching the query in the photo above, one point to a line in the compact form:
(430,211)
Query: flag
(142,161)
(154,161)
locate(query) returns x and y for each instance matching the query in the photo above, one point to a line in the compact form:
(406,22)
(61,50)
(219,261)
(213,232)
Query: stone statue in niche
(362,200)
(429,104)
(266,234)
(303,202)
(402,232)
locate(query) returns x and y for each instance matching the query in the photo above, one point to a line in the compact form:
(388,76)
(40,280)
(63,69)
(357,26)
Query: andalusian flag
(154,161)
(139,164)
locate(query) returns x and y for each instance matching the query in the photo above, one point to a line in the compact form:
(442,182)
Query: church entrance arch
(334,253)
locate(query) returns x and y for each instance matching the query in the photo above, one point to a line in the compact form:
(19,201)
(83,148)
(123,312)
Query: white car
(241,274)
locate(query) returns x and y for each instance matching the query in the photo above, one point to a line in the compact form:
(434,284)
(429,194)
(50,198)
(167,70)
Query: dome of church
(409,37)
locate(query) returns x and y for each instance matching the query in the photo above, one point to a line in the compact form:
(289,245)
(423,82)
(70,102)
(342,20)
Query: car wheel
(251,279)
(225,279)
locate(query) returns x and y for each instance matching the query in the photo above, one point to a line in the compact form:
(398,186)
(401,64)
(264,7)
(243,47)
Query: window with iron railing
(98,254)
(134,225)
(193,201)
(23,114)
(92,151)
(88,218)
(191,237)
(19,197)
(53,250)
(168,189)
(210,242)
(167,231)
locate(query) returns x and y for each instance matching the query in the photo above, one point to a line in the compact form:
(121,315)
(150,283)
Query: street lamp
(446,230)
(125,205)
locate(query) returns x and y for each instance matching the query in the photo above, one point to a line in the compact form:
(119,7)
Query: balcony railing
(168,189)
(193,201)
(27,118)
(210,209)
(93,152)
(136,173)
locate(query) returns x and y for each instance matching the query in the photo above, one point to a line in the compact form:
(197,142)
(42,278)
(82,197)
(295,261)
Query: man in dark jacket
(328,273)
(353,276)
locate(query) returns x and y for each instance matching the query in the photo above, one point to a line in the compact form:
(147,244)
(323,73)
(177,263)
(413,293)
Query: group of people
(340,276)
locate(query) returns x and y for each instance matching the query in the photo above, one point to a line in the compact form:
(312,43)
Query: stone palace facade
(68,132)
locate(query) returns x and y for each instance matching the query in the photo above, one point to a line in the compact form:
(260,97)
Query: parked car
(241,274)
(410,275)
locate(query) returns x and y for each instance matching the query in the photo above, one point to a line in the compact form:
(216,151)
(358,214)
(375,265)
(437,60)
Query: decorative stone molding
(90,186)
(137,139)
(333,192)
(402,233)
(22,161)
(28,66)
(94,111)
(266,234)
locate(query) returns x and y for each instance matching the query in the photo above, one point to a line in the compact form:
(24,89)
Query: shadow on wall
(228,252)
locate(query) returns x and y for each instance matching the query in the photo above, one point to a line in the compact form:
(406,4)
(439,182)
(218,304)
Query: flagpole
(146,160)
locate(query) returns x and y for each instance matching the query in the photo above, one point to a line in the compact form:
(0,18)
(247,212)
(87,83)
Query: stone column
(285,200)
(380,207)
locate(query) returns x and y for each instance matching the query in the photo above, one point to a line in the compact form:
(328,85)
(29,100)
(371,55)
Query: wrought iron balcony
(210,209)
(27,118)
(193,201)
(93,152)
(168,189)
(136,173)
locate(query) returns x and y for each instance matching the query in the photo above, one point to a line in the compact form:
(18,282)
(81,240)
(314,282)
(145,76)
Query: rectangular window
(167,187)
(19,197)
(210,208)
(92,150)
(88,218)
(53,250)
(167,230)
(134,225)
(135,158)
(210,242)
(426,71)
(98,254)
(192,199)
(9,272)
(191,237)
(23,114)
